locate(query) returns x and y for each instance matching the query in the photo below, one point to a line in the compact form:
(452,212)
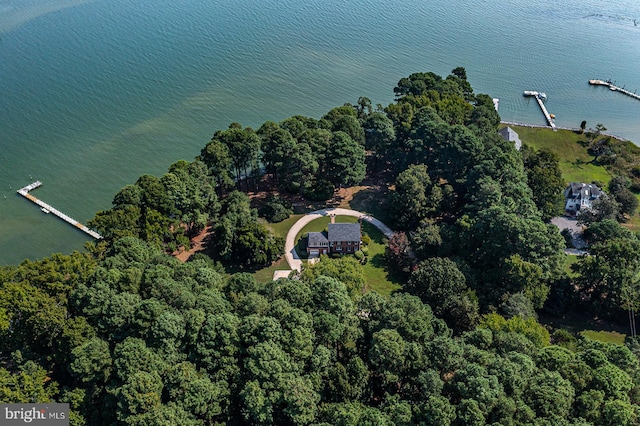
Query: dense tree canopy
(127,334)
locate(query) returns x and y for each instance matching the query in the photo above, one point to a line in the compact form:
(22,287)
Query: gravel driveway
(564,222)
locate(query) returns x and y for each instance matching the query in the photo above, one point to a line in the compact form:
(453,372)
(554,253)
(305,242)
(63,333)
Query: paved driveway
(289,248)
(564,222)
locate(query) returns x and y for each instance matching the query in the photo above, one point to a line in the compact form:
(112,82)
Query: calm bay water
(95,93)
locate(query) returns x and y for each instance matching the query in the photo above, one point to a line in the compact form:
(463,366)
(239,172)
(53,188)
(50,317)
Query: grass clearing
(569,260)
(377,277)
(265,275)
(604,336)
(570,147)
(281,228)
(580,325)
(376,273)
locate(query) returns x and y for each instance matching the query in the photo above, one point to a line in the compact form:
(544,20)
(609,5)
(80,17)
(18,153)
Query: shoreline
(573,129)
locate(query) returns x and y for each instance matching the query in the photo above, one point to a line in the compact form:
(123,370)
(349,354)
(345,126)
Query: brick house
(340,238)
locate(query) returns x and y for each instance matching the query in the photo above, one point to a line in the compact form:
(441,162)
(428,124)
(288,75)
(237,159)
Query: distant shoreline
(573,129)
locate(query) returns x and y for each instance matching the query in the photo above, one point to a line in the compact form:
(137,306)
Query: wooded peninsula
(470,314)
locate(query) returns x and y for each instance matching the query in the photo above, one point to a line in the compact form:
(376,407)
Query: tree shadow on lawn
(373,202)
(380,261)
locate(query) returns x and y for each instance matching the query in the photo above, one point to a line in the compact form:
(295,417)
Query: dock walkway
(539,97)
(614,88)
(49,209)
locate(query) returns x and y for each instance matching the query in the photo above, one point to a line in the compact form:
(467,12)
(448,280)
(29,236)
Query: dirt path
(197,244)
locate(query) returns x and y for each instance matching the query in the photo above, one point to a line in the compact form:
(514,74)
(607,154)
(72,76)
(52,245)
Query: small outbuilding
(510,135)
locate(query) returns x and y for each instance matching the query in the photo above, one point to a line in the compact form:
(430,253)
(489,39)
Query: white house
(580,196)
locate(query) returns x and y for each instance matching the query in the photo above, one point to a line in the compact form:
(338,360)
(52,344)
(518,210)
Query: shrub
(366,240)
(359,255)
(365,251)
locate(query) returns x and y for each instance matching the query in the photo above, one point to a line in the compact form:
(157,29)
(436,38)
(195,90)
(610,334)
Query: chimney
(333,218)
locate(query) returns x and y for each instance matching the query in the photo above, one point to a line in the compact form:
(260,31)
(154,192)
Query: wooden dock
(539,97)
(46,208)
(614,88)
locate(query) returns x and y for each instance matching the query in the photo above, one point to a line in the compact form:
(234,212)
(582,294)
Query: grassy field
(575,162)
(569,146)
(265,275)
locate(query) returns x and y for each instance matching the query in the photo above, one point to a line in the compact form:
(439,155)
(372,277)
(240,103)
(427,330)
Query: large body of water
(95,93)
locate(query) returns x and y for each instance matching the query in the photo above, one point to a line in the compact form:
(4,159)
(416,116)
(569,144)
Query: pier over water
(540,97)
(46,208)
(613,87)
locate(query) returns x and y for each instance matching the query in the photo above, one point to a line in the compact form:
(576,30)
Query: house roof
(509,134)
(316,239)
(344,232)
(584,190)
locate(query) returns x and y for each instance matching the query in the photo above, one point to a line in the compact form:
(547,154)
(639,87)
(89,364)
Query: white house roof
(583,190)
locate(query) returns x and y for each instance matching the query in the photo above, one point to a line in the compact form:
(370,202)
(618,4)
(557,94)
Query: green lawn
(568,261)
(569,146)
(604,336)
(576,324)
(265,275)
(281,228)
(376,276)
(376,273)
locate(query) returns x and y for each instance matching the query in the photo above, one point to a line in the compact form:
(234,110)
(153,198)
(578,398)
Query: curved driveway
(289,248)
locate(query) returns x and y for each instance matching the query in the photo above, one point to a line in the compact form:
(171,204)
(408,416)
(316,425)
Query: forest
(126,333)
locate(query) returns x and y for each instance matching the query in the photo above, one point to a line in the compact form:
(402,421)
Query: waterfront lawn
(569,146)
